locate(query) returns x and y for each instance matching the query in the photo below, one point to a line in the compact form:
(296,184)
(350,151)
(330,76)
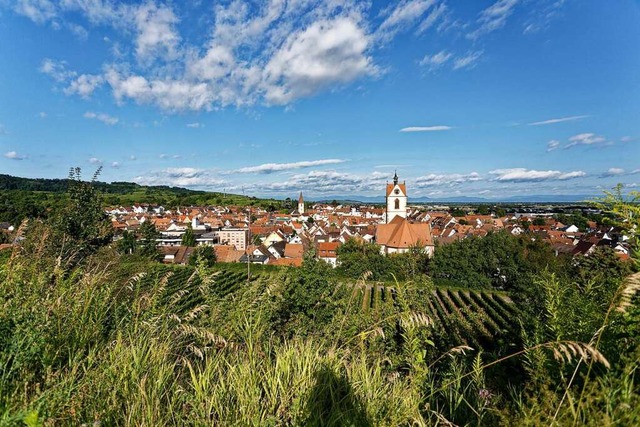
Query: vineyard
(180,287)
(468,316)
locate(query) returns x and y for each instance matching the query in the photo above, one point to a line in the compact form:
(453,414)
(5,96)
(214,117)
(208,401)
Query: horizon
(494,99)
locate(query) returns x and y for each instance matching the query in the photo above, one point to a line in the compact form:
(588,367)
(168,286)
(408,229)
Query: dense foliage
(498,260)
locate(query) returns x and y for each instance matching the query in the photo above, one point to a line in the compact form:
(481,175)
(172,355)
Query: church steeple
(300,204)
(396,199)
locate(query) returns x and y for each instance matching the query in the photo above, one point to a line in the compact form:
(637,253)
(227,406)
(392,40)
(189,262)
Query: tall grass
(109,343)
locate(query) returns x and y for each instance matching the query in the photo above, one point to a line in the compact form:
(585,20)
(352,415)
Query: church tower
(396,199)
(301,204)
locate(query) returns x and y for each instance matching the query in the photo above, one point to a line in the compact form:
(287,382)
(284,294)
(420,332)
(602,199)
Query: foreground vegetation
(92,337)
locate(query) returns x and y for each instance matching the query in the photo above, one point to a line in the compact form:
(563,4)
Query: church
(398,234)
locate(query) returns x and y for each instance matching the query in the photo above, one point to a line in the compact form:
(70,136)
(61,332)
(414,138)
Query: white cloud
(436,13)
(493,17)
(530,175)
(42,114)
(559,120)
(56,70)
(328,182)
(157,35)
(278,167)
(585,139)
(467,61)
(132,157)
(436,61)
(446,179)
(425,128)
(39,11)
(3,130)
(84,85)
(104,118)
(404,14)
(553,145)
(195,125)
(78,30)
(115,165)
(181,177)
(326,53)
(172,95)
(626,139)
(95,161)
(613,172)
(13,155)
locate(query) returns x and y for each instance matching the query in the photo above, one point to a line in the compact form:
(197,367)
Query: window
(397,204)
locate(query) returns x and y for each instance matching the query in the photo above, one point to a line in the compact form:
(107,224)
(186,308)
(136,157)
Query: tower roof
(300,199)
(402,187)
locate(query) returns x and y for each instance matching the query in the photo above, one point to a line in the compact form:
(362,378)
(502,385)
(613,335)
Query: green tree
(127,243)
(482,210)
(188,238)
(539,221)
(147,245)
(204,255)
(498,260)
(81,226)
(357,257)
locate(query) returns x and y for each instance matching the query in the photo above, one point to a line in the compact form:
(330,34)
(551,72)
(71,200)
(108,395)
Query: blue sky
(269,98)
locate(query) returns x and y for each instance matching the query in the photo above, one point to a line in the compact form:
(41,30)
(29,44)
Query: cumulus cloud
(613,172)
(558,120)
(531,175)
(157,35)
(493,17)
(267,168)
(104,118)
(84,85)
(327,52)
(95,161)
(553,145)
(115,165)
(446,179)
(425,128)
(13,155)
(195,125)
(271,53)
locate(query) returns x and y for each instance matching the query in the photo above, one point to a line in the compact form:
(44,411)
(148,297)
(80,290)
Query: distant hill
(37,197)
(147,194)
